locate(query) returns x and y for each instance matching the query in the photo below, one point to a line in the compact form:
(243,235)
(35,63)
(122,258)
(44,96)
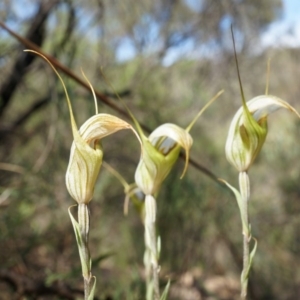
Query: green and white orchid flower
(161,150)
(247,134)
(86,151)
(86,154)
(248,129)
(83,169)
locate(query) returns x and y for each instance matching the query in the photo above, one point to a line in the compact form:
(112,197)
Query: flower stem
(151,253)
(148,275)
(84,222)
(244,184)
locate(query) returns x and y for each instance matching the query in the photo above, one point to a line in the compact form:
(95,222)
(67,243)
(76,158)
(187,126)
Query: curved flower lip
(102,125)
(262,106)
(248,129)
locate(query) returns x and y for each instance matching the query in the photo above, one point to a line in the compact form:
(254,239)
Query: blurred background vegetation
(166,58)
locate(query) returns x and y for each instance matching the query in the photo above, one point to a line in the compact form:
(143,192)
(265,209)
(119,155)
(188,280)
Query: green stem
(147,263)
(151,255)
(244,184)
(84,224)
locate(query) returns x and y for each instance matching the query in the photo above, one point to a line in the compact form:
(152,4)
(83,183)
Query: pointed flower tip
(186,165)
(292,109)
(222,180)
(203,109)
(92,90)
(188,145)
(73,122)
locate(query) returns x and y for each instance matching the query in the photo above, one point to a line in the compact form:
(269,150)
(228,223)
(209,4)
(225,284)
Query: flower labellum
(248,130)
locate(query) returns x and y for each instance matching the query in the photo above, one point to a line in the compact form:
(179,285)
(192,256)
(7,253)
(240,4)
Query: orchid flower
(160,152)
(83,169)
(86,154)
(248,130)
(247,134)
(86,151)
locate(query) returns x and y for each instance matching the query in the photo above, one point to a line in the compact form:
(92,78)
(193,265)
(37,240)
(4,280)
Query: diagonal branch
(66,71)
(35,35)
(101,96)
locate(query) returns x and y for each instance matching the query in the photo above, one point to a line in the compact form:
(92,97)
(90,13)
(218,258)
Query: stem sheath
(84,224)
(244,184)
(151,253)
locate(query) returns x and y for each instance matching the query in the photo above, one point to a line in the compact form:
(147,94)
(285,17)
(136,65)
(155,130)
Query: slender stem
(245,193)
(151,255)
(148,276)
(84,224)
(246,257)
